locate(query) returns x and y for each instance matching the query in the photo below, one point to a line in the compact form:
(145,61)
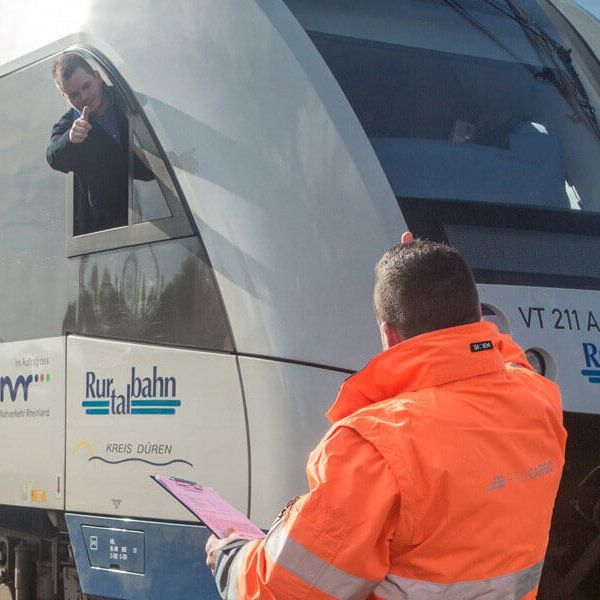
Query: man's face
(84,89)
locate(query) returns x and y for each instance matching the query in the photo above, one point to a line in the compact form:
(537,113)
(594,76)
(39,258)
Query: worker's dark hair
(66,64)
(423,286)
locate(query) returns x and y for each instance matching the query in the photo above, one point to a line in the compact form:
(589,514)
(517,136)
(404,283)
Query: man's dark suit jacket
(100,166)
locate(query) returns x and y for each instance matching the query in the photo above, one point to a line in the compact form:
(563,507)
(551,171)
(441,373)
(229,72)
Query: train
(292,142)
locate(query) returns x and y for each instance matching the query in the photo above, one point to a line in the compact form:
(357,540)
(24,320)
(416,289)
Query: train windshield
(488,101)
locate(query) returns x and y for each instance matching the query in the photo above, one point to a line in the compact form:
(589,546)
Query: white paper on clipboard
(206,504)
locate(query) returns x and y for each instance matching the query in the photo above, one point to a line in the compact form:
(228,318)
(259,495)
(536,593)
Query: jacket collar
(427,360)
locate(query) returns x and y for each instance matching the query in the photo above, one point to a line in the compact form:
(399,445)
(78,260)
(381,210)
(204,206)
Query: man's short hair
(423,286)
(66,64)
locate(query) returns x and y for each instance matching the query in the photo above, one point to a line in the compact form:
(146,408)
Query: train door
(117,362)
(152,383)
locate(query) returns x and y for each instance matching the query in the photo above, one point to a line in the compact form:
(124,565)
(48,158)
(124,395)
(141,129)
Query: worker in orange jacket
(439,474)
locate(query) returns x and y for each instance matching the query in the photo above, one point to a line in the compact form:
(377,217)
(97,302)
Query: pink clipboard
(215,512)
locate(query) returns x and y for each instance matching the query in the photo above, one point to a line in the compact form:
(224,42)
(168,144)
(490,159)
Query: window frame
(178,225)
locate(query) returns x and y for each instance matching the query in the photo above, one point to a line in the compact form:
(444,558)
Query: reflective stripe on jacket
(437,480)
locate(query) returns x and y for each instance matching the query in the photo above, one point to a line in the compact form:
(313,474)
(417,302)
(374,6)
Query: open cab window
(128,195)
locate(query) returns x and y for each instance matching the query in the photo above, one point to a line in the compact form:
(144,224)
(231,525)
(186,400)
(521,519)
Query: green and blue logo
(150,395)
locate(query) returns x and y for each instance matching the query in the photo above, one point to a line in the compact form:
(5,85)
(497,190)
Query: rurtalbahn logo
(592,362)
(150,395)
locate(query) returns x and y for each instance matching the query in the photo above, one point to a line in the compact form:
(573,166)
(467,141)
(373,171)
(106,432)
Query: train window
(150,197)
(121,190)
(34,283)
(493,105)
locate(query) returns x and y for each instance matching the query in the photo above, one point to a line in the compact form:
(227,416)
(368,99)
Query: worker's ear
(390,336)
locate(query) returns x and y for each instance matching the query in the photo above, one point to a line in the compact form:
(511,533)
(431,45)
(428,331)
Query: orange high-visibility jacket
(437,480)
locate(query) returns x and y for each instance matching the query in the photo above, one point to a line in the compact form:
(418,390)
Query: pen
(179,480)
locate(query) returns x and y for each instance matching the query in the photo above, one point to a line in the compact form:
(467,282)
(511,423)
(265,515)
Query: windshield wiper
(562,75)
(463,12)
(567,81)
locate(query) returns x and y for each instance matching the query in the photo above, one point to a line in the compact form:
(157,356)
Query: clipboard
(206,504)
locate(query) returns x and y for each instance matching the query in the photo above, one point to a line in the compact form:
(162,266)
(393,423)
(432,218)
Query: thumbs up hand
(81,127)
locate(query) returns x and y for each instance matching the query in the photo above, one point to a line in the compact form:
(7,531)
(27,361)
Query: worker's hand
(81,127)
(407,237)
(214,545)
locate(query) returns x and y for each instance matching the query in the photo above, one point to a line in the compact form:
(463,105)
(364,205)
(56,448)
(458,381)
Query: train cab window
(121,190)
(494,104)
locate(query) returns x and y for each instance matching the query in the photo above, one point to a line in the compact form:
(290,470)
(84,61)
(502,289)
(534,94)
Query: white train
(293,141)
